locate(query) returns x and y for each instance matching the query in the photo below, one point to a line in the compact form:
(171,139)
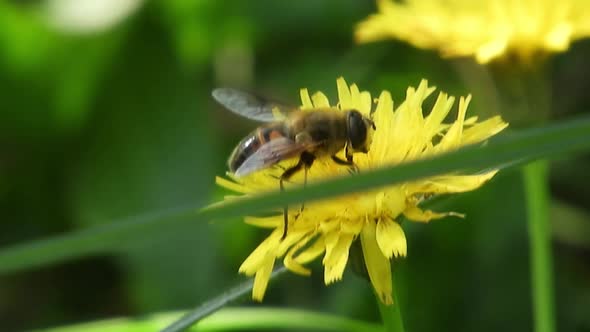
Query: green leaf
(235,319)
(546,142)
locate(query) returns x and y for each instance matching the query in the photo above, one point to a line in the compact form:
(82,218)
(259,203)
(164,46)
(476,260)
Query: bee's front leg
(348,162)
(348,152)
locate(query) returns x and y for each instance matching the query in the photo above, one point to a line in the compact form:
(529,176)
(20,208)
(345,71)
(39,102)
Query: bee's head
(360,131)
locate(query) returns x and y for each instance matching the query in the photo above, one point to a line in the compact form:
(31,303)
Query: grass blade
(233,319)
(547,142)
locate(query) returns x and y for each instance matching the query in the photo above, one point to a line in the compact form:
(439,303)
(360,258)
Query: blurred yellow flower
(484,29)
(330,226)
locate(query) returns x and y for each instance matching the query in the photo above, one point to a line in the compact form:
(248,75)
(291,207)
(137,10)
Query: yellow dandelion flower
(330,226)
(483,29)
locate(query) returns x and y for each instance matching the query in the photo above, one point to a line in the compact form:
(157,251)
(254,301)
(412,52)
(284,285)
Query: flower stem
(391,314)
(537,201)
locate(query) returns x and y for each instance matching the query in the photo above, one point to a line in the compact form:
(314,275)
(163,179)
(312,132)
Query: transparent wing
(250,106)
(269,154)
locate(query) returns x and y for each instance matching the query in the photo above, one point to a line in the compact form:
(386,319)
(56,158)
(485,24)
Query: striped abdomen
(251,143)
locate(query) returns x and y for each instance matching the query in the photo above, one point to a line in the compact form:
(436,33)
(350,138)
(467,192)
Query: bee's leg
(348,162)
(304,185)
(340,161)
(305,160)
(285,213)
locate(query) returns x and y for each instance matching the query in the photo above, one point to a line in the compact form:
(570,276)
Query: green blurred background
(106,113)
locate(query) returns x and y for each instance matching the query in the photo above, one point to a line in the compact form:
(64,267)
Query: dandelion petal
(233,186)
(365,103)
(344,94)
(416,214)
(378,266)
(312,252)
(291,263)
(261,254)
(483,130)
(320,100)
(305,99)
(336,258)
(391,238)
(261,279)
(452,183)
(264,222)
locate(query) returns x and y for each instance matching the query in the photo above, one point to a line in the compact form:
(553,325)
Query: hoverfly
(293,133)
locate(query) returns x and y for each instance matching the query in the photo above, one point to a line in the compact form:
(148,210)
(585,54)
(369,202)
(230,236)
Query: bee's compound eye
(357,130)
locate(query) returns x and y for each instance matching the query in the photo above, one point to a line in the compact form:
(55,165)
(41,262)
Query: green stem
(391,314)
(537,201)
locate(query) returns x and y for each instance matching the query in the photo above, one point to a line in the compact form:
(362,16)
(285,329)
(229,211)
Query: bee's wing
(250,106)
(269,154)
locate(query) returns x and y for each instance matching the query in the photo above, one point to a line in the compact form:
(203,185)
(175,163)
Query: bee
(289,133)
